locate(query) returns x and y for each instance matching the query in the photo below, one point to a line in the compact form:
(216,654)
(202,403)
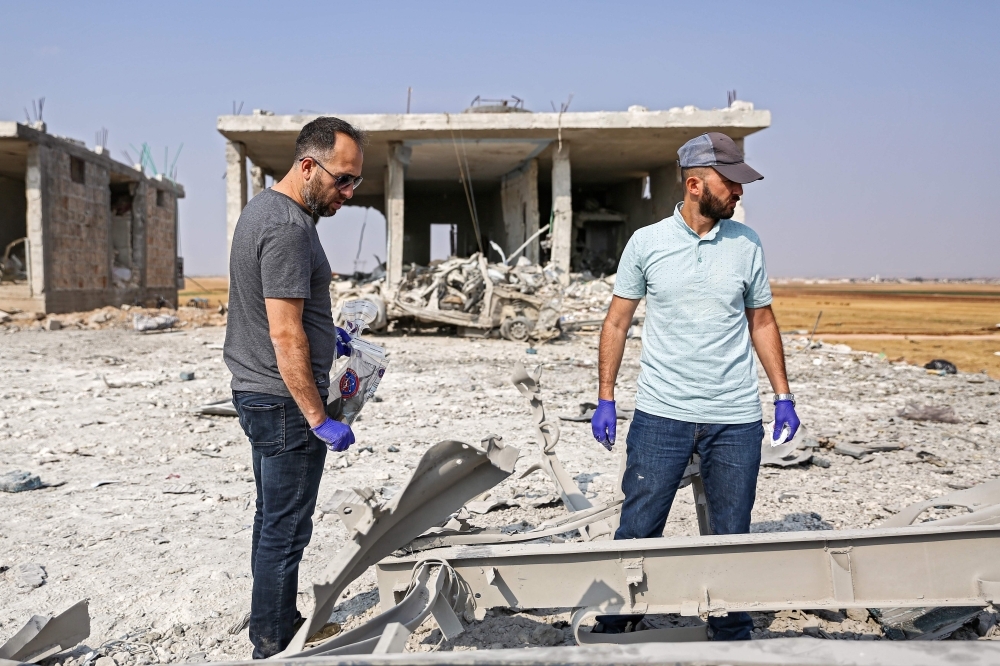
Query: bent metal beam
(713,575)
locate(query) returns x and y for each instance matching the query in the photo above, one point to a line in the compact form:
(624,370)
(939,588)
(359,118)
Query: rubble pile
(111,317)
(458,284)
(543,295)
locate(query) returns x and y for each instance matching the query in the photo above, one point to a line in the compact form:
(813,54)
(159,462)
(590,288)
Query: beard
(312,195)
(715,208)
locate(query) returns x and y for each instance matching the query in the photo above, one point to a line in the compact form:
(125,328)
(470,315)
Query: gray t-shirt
(276,253)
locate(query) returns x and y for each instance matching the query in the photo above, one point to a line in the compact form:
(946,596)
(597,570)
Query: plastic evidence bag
(359,378)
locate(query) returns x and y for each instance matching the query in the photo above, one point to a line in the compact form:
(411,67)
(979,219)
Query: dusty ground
(150,520)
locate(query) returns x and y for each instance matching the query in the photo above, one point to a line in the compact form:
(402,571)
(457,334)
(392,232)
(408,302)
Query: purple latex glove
(343,343)
(338,436)
(784,415)
(604,423)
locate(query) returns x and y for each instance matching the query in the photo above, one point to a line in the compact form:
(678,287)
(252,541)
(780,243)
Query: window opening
(77,170)
(444,239)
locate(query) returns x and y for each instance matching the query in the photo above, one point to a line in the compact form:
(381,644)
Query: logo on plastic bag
(349,384)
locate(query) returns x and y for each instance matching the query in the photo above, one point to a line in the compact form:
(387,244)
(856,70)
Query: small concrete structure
(98,232)
(596,176)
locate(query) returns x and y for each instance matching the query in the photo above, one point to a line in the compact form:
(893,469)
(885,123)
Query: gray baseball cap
(716,150)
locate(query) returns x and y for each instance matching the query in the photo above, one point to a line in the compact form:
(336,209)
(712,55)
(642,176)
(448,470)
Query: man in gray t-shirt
(280,346)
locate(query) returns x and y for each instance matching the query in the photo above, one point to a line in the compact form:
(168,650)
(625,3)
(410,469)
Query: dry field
(215,288)
(916,321)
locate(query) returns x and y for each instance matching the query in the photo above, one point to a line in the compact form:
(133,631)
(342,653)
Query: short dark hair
(320,135)
(697,172)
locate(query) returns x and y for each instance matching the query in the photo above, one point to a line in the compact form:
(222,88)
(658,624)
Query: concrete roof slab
(606,146)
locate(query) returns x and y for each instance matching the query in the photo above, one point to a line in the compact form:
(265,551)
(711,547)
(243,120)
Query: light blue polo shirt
(697,362)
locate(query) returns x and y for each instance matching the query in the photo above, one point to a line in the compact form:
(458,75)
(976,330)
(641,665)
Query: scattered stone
(53,325)
(187,376)
(857,614)
(161,322)
(546,634)
(29,575)
(392,449)
(19,481)
(852,450)
(105,661)
(941,414)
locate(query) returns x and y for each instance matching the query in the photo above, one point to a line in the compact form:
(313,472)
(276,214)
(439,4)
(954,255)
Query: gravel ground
(149,504)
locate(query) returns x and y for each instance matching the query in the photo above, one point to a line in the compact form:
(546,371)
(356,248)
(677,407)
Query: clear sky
(881,158)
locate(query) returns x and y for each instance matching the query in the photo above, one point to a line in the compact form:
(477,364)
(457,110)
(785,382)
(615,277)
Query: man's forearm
(295,366)
(767,342)
(609,359)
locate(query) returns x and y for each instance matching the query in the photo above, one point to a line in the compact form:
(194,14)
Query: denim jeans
(287,467)
(658,450)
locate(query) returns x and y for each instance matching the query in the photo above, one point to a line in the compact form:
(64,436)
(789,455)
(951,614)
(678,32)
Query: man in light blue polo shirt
(708,306)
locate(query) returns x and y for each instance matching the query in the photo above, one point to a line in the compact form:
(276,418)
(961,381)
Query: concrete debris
(519,302)
(19,481)
(160,322)
(925,624)
(28,576)
(939,413)
(43,637)
(516,302)
(464,391)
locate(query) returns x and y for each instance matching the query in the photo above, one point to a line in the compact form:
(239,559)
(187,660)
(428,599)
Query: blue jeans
(287,468)
(658,451)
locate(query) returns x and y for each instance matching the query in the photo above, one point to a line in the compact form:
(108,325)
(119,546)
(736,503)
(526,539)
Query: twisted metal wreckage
(430,562)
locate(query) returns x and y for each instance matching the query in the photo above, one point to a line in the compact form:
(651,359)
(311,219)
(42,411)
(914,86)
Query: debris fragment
(187,376)
(29,575)
(19,481)
(923,623)
(947,367)
(941,414)
(220,408)
(157,323)
(44,636)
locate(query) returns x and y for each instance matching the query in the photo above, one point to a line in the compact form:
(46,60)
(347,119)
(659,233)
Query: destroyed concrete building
(596,176)
(79,230)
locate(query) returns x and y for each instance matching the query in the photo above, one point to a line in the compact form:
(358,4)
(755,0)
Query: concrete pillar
(519,201)
(395,173)
(257,182)
(36,191)
(666,190)
(236,189)
(562,208)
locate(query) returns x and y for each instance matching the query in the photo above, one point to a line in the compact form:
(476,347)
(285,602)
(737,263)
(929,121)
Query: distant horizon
(771,278)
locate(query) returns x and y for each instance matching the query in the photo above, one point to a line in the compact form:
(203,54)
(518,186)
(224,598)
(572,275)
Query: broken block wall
(77,233)
(161,242)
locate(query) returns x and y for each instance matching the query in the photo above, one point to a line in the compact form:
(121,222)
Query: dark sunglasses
(342,181)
